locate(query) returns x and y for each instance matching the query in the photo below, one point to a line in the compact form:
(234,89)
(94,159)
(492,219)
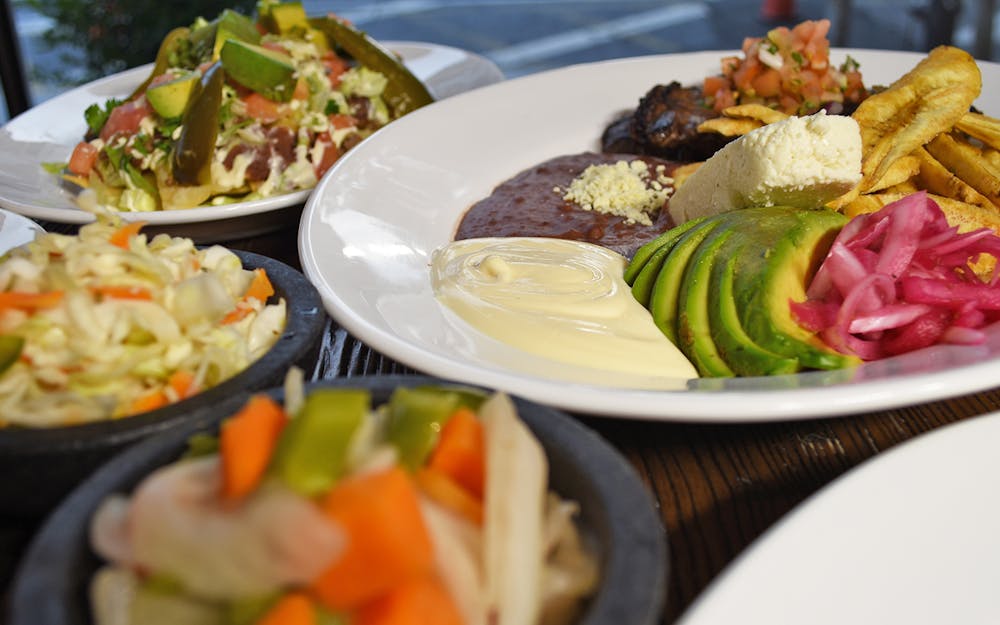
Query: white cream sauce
(561,300)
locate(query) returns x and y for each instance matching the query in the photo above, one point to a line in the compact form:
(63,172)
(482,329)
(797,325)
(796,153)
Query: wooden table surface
(717,487)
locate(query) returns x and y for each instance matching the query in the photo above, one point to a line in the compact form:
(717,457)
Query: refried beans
(528,205)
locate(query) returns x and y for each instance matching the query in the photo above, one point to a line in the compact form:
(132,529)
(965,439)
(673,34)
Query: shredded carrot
(150,401)
(30,301)
(444,490)
(260,287)
(461,451)
(122,292)
(387,540)
(183,383)
(295,608)
(246,444)
(419,601)
(121,236)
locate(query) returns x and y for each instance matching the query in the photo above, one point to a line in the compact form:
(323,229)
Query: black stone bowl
(41,466)
(617,517)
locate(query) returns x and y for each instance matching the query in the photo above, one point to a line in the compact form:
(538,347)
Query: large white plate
(367,233)
(908,537)
(48,132)
(16,230)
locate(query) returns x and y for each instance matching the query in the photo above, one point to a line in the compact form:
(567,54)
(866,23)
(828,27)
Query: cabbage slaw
(111,323)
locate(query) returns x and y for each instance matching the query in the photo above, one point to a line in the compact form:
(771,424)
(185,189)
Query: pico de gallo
(789,70)
(238,109)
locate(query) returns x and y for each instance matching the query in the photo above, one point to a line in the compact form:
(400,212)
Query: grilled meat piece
(665,124)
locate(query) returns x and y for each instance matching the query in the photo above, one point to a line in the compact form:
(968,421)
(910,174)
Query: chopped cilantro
(331,107)
(797,57)
(54,168)
(96,115)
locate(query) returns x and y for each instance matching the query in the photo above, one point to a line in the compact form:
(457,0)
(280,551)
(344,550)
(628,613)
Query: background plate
(909,537)
(48,132)
(369,228)
(16,230)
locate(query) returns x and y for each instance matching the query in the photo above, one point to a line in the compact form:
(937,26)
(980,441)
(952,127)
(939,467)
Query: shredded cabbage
(129,321)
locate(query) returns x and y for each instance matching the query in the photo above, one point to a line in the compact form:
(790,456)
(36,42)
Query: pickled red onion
(901,279)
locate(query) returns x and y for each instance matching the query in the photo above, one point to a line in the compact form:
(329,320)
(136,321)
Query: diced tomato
(335,66)
(340,121)
(125,118)
(301,90)
(767,84)
(330,154)
(260,108)
(83,158)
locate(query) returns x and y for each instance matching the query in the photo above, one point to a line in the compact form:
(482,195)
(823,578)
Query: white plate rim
(740,404)
(23,127)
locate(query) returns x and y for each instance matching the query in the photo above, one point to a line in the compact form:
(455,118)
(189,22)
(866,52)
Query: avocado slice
(752,228)
(664,296)
(267,72)
(233,25)
(772,276)
(170,99)
(694,334)
(648,250)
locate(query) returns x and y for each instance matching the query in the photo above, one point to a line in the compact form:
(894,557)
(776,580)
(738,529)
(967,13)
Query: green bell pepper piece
(195,147)
(416,416)
(312,450)
(404,92)
(10,350)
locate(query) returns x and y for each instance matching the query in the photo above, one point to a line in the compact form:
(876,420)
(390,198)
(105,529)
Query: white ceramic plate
(368,230)
(48,132)
(908,537)
(16,230)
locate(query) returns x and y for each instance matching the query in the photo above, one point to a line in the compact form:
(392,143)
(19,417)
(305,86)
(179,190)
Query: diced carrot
(461,451)
(29,301)
(260,287)
(246,444)
(83,158)
(150,401)
(420,601)
(237,314)
(121,236)
(122,292)
(295,608)
(260,108)
(444,490)
(387,540)
(183,383)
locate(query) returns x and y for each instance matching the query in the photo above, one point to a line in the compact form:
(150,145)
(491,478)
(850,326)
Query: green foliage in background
(114,35)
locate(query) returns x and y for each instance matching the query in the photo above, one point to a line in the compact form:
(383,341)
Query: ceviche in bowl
(369,500)
(239,109)
(108,335)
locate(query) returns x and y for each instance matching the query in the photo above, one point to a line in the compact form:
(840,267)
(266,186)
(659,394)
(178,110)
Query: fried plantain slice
(920,105)
(967,163)
(728,126)
(982,127)
(937,179)
(761,113)
(902,170)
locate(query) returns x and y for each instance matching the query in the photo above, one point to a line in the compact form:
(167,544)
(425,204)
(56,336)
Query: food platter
(48,132)
(908,537)
(368,231)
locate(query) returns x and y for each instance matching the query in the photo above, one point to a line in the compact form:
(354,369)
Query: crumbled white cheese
(626,189)
(801,161)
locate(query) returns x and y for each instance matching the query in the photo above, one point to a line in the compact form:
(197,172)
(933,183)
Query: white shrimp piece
(178,526)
